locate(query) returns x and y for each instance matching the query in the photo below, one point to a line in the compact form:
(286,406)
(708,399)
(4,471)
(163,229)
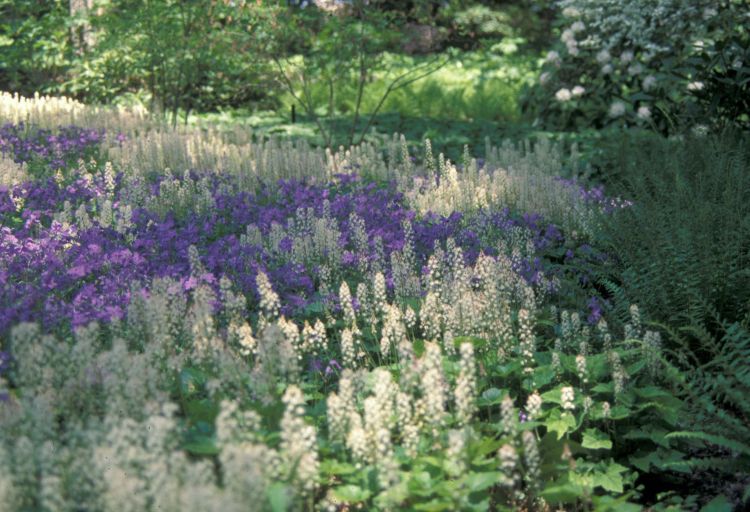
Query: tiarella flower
(534,405)
(567,397)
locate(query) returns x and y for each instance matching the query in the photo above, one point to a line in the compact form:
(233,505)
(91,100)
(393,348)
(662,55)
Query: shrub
(634,62)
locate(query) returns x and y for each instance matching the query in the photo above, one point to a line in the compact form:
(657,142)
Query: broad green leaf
(434,506)
(567,492)
(611,480)
(553,395)
(481,481)
(543,375)
(561,423)
(351,493)
(335,467)
(491,396)
(201,446)
(595,439)
(719,504)
(201,410)
(280,497)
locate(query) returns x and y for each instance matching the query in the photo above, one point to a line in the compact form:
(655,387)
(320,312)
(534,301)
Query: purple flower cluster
(62,275)
(596,195)
(53,151)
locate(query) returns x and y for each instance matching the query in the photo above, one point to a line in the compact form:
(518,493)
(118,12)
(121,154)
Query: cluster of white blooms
(276,360)
(619,375)
(434,387)
(269,300)
(379,298)
(406,282)
(314,338)
(617,109)
(527,341)
(349,349)
(532,460)
(456,451)
(567,398)
(509,465)
(181,196)
(466,385)
(12,173)
(563,95)
(51,112)
(298,449)
(652,351)
(534,405)
(345,300)
(508,417)
(582,369)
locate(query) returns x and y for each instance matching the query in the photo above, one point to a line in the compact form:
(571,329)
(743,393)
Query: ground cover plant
(224,285)
(278,327)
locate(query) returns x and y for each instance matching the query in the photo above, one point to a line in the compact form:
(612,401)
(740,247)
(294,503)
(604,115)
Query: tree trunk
(81,34)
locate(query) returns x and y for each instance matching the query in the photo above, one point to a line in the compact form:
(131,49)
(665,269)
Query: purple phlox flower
(316,365)
(595,310)
(333,367)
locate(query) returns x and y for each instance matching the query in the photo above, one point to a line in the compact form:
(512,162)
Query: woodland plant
(311,330)
(615,65)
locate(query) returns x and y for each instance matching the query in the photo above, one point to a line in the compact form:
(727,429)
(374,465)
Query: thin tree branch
(395,85)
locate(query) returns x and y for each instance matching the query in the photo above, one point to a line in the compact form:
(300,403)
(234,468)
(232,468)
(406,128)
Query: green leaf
(201,410)
(335,467)
(560,423)
(351,493)
(191,381)
(202,446)
(567,492)
(543,375)
(553,395)
(731,444)
(434,506)
(595,439)
(481,481)
(612,480)
(719,504)
(280,497)
(491,396)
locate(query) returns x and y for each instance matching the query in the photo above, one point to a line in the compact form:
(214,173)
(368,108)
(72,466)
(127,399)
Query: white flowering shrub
(637,62)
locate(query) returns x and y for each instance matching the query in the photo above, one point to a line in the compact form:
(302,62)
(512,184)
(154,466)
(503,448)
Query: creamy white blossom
(617,109)
(563,95)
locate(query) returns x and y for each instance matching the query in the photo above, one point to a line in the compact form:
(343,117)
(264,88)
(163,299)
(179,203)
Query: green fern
(684,243)
(724,442)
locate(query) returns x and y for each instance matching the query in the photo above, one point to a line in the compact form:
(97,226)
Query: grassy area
(472,97)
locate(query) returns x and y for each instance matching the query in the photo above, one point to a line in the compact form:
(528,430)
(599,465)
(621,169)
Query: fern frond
(717,440)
